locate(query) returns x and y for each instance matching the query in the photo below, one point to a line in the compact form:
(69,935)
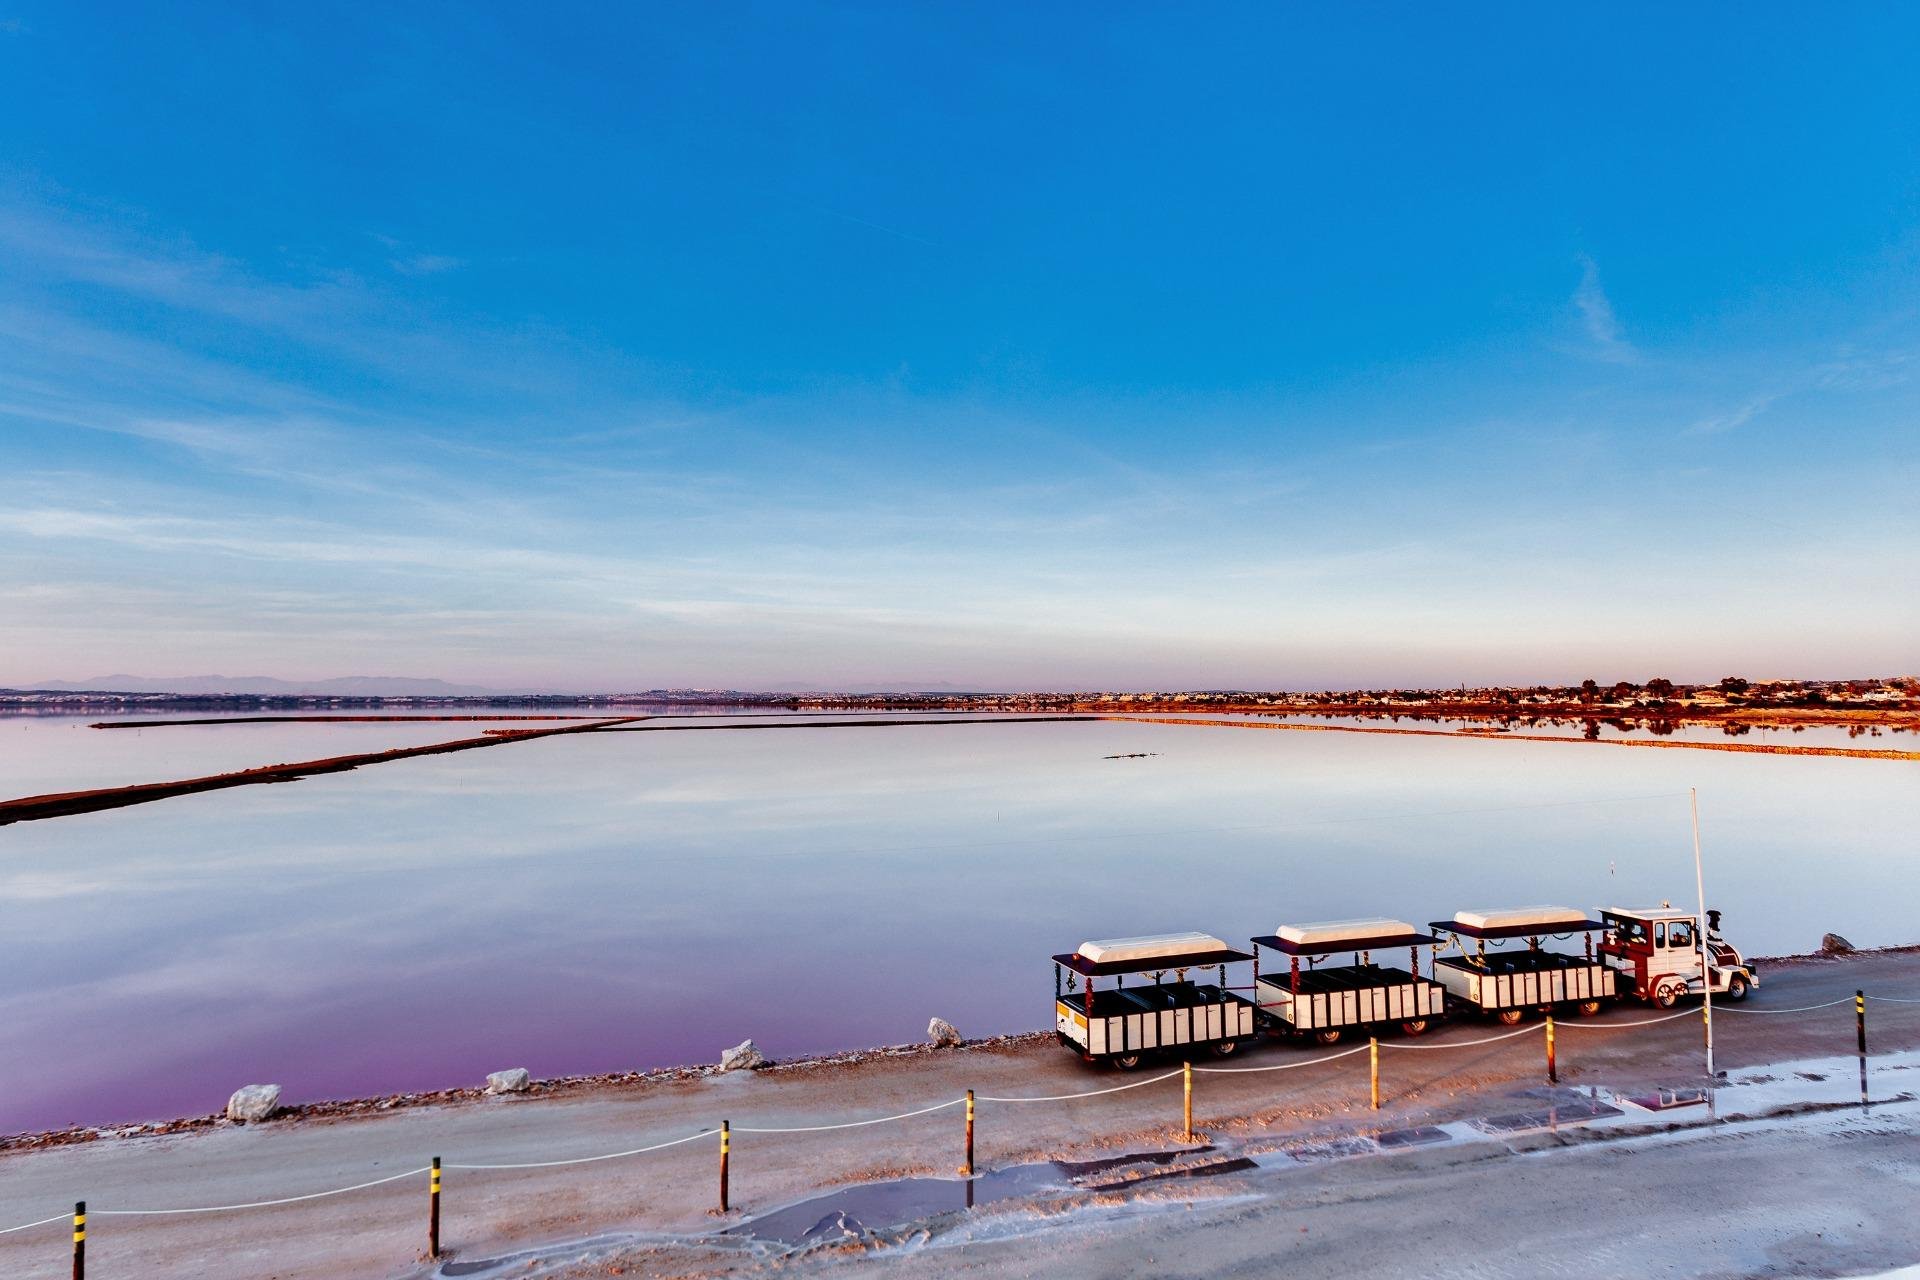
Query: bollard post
(433,1210)
(1186,1084)
(1860,1029)
(1373,1067)
(966,1170)
(726,1143)
(79,1240)
(1553,1069)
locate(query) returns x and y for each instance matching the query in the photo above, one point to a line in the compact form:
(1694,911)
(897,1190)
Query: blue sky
(1103,346)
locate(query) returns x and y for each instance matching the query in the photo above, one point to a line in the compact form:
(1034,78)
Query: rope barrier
(1091,1093)
(1467,1044)
(854,1124)
(1616,1026)
(612,1155)
(256,1204)
(940,1106)
(1285,1066)
(1728,1008)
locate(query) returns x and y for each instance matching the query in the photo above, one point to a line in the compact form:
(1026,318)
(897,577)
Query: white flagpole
(1700,927)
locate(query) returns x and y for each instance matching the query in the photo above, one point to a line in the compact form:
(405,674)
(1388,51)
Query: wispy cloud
(1853,370)
(1597,316)
(1735,418)
(426,264)
(411,261)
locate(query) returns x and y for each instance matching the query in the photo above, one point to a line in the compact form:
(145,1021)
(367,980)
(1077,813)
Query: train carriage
(1122,1025)
(1327,1002)
(1507,982)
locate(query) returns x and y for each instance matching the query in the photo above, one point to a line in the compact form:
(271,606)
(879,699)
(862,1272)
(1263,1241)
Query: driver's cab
(1656,952)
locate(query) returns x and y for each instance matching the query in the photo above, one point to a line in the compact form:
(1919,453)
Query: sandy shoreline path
(650,1213)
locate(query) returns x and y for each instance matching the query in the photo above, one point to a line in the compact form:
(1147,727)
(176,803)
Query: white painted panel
(1461,982)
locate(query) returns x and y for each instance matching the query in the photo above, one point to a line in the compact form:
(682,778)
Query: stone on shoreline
(512,1080)
(943,1033)
(1833,944)
(744,1056)
(253,1102)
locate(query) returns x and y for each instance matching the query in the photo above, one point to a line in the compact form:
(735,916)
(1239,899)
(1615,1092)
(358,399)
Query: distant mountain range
(269,686)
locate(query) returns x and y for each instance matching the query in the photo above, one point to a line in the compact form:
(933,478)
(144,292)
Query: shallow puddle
(854,1213)
(1420,1136)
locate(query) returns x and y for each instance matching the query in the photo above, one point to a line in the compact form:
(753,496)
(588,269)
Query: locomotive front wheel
(1225,1048)
(1126,1061)
(1666,995)
(1414,1027)
(1737,987)
(1330,1035)
(1587,1008)
(1510,1017)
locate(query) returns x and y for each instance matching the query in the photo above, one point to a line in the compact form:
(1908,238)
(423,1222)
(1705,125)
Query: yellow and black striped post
(433,1210)
(1860,1030)
(79,1240)
(966,1170)
(726,1145)
(1373,1068)
(1186,1084)
(1553,1067)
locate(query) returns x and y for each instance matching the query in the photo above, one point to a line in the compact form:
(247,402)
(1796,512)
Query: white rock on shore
(253,1102)
(512,1080)
(744,1056)
(943,1033)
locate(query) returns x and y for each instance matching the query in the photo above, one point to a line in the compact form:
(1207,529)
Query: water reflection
(610,902)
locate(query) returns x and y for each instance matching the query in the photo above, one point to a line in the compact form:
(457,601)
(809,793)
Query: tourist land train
(1657,955)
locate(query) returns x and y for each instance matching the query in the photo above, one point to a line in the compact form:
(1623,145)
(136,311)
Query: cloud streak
(1597,317)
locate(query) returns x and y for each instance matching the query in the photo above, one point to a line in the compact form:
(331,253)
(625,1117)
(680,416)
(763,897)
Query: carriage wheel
(1328,1035)
(1587,1008)
(1225,1048)
(1414,1027)
(1737,987)
(1666,995)
(1509,1017)
(1125,1061)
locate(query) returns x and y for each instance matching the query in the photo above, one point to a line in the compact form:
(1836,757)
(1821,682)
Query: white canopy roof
(1514,917)
(1331,931)
(1151,947)
(1652,913)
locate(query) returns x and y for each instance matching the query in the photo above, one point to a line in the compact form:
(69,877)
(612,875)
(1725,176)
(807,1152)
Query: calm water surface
(627,900)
